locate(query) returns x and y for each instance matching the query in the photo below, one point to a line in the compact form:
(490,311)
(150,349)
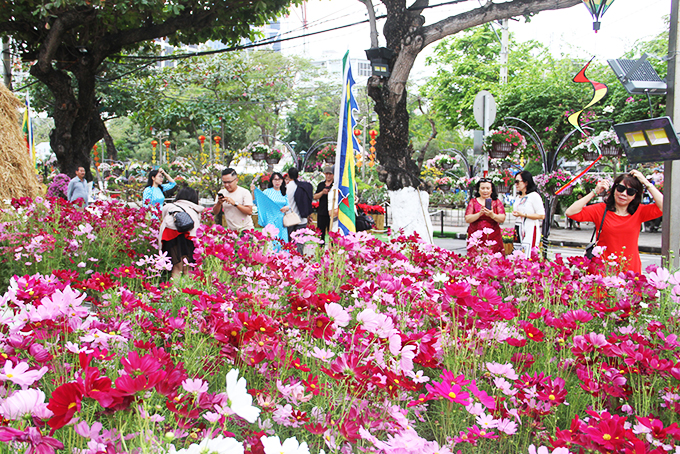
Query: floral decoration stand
(259,156)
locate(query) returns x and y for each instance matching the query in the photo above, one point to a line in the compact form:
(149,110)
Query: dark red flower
(64,403)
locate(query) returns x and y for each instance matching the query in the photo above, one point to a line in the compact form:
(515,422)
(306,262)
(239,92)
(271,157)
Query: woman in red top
(621,229)
(485,211)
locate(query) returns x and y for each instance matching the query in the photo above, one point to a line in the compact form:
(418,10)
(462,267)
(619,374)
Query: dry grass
(17,174)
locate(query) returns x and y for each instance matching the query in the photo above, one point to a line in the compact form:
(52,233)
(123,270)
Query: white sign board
(484,109)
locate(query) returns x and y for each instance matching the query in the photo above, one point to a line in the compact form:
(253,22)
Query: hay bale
(17,174)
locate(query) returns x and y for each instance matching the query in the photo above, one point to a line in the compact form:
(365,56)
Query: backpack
(303,198)
(183,222)
(364,222)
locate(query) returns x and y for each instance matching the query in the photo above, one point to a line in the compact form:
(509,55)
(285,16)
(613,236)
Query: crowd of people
(618,219)
(287,203)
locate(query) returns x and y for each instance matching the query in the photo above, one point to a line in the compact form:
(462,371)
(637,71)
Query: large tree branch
(490,12)
(55,37)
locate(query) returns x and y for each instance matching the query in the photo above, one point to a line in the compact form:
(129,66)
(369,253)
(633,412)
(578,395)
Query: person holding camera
(620,216)
(234,202)
(485,211)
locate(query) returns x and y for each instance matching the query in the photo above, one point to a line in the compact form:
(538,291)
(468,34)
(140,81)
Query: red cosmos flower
(296,363)
(126,385)
(523,360)
(531,331)
(552,391)
(658,431)
(420,400)
(299,416)
(312,384)
(127,271)
(609,432)
(316,429)
(64,403)
(323,327)
(99,282)
(98,388)
(133,364)
(516,342)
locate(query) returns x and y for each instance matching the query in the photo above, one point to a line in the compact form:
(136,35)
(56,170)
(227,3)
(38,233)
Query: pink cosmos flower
(197,386)
(20,374)
(502,370)
(322,354)
(338,314)
(25,402)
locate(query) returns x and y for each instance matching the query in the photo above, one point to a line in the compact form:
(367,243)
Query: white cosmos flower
(240,401)
(272,445)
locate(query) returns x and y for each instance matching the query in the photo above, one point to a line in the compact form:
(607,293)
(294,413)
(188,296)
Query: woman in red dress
(485,211)
(621,228)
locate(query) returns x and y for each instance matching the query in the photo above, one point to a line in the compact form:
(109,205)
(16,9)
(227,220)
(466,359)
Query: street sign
(484,109)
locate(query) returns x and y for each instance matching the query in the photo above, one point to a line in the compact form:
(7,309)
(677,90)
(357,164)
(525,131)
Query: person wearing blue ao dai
(153,193)
(272,204)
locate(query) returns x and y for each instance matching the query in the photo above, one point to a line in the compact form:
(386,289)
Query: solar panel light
(638,76)
(649,140)
(380,60)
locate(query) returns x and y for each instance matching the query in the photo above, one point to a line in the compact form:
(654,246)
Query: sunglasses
(629,191)
(518,181)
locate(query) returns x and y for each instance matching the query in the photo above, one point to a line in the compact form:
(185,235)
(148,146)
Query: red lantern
(373,133)
(154,143)
(201,138)
(217,139)
(167,144)
(357,132)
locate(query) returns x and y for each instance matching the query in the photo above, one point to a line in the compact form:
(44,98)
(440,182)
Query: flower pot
(379,221)
(446,165)
(444,187)
(500,150)
(329,159)
(264,185)
(257,156)
(590,155)
(611,150)
(273,160)
(503,189)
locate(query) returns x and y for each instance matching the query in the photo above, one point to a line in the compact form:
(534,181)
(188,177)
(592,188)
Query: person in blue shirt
(78,187)
(153,193)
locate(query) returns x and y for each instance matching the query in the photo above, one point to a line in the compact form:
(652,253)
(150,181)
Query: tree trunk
(111,151)
(77,124)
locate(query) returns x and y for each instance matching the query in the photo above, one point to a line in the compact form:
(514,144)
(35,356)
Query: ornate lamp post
(167,149)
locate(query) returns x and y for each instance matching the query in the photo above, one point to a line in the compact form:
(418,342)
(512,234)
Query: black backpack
(183,222)
(303,198)
(364,222)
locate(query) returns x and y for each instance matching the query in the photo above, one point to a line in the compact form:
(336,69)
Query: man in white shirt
(235,202)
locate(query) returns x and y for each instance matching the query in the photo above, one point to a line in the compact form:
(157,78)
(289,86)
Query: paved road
(459,246)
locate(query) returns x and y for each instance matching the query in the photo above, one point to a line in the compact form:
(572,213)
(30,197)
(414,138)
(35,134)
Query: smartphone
(488,203)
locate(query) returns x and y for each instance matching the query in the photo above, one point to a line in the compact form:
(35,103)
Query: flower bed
(367,347)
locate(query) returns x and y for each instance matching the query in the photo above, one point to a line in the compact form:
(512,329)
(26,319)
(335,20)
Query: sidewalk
(648,242)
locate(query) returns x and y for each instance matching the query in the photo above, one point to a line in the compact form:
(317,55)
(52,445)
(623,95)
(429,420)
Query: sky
(565,32)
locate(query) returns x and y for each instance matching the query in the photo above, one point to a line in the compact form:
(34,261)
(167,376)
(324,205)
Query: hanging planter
(259,152)
(611,150)
(501,150)
(274,157)
(273,160)
(503,189)
(590,155)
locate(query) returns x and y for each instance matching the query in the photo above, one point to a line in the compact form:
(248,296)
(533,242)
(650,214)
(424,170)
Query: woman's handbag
(591,246)
(183,222)
(290,219)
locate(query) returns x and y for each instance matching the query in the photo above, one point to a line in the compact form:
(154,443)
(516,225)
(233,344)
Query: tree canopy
(68,40)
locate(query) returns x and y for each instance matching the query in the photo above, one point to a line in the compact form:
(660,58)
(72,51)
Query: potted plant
(327,154)
(503,179)
(503,141)
(586,148)
(443,183)
(442,161)
(274,157)
(588,182)
(259,152)
(508,234)
(262,181)
(609,144)
(551,182)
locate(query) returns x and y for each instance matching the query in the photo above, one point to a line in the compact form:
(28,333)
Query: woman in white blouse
(529,211)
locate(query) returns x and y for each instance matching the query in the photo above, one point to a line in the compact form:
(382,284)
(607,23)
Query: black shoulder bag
(591,246)
(183,222)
